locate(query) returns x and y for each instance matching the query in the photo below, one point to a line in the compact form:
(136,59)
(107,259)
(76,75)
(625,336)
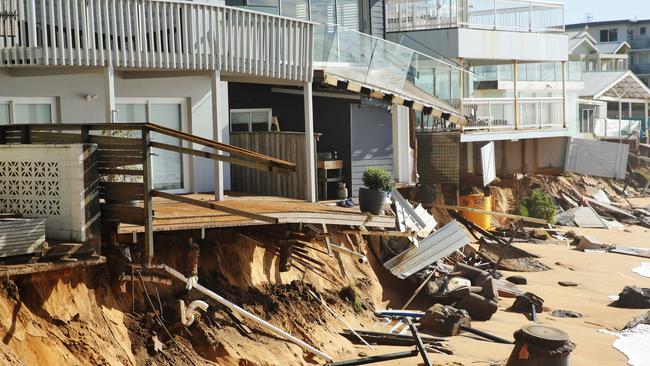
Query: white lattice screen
(30,187)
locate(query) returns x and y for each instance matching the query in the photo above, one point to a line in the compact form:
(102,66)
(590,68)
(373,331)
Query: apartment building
(634,34)
(523,91)
(614,101)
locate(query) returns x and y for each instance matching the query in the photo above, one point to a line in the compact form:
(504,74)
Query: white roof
(615,84)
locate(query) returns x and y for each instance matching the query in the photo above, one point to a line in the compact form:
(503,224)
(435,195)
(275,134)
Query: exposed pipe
(188,316)
(360,257)
(266,325)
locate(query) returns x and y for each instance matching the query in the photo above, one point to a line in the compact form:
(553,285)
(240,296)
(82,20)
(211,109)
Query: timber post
(147,181)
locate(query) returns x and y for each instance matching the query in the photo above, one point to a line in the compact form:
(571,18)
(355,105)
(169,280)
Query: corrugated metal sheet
(436,246)
(21,236)
(597,158)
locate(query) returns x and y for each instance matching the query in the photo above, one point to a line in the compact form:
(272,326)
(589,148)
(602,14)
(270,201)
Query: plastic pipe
(266,325)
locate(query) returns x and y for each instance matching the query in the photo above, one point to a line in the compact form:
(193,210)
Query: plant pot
(372,201)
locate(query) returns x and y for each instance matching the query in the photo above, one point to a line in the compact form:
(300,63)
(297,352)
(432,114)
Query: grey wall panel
(597,158)
(372,141)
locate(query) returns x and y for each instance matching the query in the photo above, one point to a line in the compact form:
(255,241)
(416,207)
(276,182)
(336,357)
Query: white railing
(506,15)
(160,35)
(499,113)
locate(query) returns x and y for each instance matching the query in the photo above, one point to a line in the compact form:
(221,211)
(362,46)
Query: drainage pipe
(266,325)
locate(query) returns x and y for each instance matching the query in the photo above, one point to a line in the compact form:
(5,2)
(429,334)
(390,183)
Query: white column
(401,146)
(310,158)
(515,76)
(109,94)
(620,116)
(564,101)
(645,121)
(217,133)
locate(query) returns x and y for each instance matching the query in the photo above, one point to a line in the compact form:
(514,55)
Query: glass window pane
(32,113)
(239,127)
(4,114)
(266,6)
(347,13)
(260,126)
(240,117)
(322,11)
(131,113)
(295,9)
(167,165)
(260,117)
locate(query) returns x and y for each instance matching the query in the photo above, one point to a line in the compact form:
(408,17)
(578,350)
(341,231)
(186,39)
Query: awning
(410,96)
(614,85)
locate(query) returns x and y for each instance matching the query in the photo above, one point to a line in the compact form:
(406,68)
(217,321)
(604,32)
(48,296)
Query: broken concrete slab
(445,320)
(584,217)
(633,297)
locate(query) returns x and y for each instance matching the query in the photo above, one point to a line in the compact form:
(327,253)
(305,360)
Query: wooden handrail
(257,160)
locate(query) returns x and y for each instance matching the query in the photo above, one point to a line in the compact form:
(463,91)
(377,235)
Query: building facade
(635,33)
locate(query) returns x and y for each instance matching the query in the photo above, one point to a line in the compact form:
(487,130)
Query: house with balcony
(635,34)
(522,93)
(614,101)
(218,100)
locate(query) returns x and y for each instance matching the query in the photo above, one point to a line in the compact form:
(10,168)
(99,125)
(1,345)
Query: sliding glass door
(168,166)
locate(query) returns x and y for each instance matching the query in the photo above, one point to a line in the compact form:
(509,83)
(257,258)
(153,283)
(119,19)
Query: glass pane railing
(379,63)
(547,71)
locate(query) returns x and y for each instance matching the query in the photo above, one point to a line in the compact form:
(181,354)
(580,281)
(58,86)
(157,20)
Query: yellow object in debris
(481,202)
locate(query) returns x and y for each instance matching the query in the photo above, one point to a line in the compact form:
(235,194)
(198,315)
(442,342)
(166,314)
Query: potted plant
(378,183)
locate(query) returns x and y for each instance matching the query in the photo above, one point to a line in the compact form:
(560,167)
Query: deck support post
(217,134)
(109,94)
(645,122)
(310,156)
(515,71)
(401,148)
(147,181)
(564,103)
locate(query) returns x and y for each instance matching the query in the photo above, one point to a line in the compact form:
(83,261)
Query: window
(169,172)
(587,121)
(609,35)
(14,110)
(642,31)
(250,120)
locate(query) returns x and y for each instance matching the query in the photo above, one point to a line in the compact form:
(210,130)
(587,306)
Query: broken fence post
(266,325)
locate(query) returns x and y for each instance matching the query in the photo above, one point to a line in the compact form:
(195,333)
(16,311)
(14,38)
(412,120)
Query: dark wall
(331,117)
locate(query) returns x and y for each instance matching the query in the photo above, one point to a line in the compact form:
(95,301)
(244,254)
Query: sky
(576,10)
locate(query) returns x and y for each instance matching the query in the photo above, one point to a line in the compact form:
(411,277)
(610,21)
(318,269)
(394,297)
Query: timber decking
(171,215)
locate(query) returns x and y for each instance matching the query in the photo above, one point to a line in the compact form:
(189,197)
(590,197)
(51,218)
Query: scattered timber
(492,213)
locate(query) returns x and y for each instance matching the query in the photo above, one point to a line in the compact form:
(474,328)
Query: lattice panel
(30,187)
(438,159)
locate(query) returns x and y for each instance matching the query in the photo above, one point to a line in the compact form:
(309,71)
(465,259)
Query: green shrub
(378,179)
(538,205)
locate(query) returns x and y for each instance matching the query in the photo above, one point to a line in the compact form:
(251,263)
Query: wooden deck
(170,215)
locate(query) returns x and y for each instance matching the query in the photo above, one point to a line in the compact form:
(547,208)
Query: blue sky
(575,10)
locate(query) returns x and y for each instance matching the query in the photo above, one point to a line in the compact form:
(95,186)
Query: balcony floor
(171,215)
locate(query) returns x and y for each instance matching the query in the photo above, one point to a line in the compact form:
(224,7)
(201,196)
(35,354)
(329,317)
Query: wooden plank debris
(38,267)
(492,213)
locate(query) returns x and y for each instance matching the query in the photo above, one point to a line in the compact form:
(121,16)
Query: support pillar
(461,89)
(310,155)
(401,148)
(645,122)
(147,182)
(564,102)
(217,133)
(620,118)
(109,94)
(515,66)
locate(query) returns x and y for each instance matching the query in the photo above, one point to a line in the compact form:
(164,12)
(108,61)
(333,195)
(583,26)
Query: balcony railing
(639,43)
(386,65)
(157,34)
(503,15)
(499,113)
